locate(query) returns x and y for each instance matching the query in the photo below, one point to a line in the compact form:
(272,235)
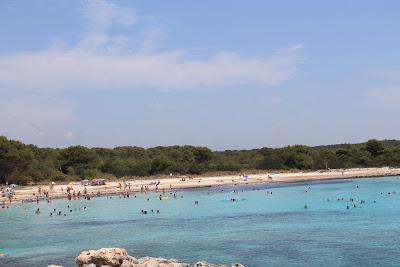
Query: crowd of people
(44,193)
(7,193)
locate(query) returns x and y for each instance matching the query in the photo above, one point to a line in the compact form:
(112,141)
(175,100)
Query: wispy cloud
(101,14)
(151,38)
(101,60)
(55,70)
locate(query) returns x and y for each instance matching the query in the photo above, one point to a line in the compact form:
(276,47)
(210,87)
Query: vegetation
(20,163)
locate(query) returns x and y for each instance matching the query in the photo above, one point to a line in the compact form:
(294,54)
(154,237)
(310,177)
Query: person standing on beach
(10,197)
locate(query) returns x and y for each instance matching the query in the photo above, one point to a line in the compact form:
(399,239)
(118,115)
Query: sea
(331,223)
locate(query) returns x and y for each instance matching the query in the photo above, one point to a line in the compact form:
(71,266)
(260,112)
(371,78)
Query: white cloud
(54,70)
(33,83)
(101,61)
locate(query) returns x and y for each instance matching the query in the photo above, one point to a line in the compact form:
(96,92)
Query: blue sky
(223,74)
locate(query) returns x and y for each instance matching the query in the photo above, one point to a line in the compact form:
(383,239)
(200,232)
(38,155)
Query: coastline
(26,194)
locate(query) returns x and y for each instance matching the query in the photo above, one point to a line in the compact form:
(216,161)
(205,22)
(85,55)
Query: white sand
(26,193)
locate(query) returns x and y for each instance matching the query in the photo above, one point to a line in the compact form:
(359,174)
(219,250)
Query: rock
(112,257)
(160,262)
(207,264)
(117,257)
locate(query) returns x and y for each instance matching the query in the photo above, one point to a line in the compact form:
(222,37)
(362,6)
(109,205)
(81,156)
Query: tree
(202,154)
(79,158)
(270,159)
(374,147)
(159,165)
(15,161)
(20,163)
(297,157)
(118,166)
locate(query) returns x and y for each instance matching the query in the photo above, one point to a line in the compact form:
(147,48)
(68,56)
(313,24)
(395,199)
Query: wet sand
(175,183)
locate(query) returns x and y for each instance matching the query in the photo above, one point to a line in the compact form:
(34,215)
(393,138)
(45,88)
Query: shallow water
(261,230)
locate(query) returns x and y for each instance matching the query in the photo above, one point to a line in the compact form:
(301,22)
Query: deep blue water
(262,230)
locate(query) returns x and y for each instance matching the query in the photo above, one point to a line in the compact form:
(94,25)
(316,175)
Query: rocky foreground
(117,257)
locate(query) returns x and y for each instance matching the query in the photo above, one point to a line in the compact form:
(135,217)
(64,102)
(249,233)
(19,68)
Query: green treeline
(20,163)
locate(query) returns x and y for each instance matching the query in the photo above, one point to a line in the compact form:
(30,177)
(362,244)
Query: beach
(29,193)
(310,223)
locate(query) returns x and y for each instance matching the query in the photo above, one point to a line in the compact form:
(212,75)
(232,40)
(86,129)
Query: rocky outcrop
(117,257)
(207,264)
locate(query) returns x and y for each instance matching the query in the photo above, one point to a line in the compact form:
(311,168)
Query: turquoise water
(262,230)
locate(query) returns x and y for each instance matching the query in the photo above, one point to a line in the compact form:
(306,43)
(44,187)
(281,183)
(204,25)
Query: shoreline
(26,194)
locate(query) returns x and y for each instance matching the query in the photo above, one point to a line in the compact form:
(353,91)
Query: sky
(225,74)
